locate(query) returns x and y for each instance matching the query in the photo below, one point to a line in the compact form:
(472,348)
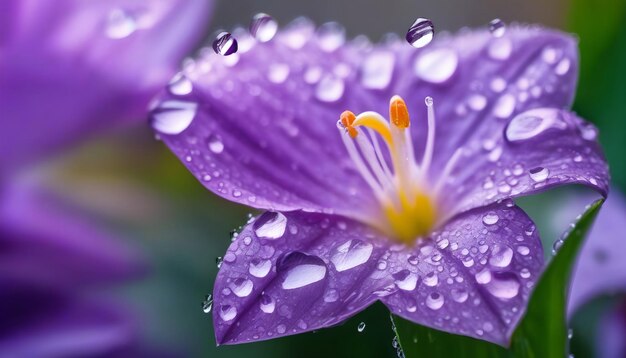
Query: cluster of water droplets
(263,27)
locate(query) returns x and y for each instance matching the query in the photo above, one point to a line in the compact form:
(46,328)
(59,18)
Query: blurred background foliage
(133,183)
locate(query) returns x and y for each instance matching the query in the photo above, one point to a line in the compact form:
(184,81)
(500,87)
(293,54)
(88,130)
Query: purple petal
(538,150)
(295,272)
(46,244)
(71,67)
(259,127)
(601,268)
(68,330)
(474,278)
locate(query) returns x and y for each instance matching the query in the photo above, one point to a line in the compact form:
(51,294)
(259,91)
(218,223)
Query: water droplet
(278,73)
(405,280)
(498,84)
(436,66)
(120,24)
(215,144)
(218,261)
(497,27)
(477,102)
(330,36)
(434,301)
(207,304)
(301,270)
(228,312)
(490,218)
(173,117)
(180,85)
(241,287)
(361,327)
(263,27)
(225,44)
(331,295)
(428,101)
(459,295)
(563,67)
(267,303)
(501,256)
(503,285)
(523,250)
(259,268)
(524,273)
(377,70)
(483,277)
(329,89)
(588,131)
(351,254)
(556,246)
(500,49)
(504,106)
(532,123)
(420,33)
(270,225)
(281,328)
(539,174)
(431,279)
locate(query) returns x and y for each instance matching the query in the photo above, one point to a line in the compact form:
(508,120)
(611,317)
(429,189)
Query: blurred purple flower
(426,225)
(72,67)
(67,69)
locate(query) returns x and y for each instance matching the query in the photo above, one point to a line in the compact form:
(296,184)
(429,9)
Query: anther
(398,112)
(347,119)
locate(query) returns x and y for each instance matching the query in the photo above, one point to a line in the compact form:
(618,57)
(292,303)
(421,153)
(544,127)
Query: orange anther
(398,112)
(347,119)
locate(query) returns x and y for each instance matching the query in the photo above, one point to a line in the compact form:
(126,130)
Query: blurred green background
(134,184)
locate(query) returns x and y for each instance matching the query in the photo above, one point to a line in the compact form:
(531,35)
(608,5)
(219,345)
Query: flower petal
(294,272)
(45,244)
(259,127)
(601,268)
(474,278)
(538,150)
(71,67)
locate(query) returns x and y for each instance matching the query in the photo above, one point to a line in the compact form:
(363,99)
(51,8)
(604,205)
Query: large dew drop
(241,287)
(329,89)
(300,270)
(533,123)
(377,70)
(225,44)
(405,280)
(173,117)
(539,174)
(259,267)
(351,254)
(263,27)
(436,66)
(434,301)
(267,304)
(180,85)
(504,286)
(120,24)
(497,27)
(228,312)
(501,256)
(270,225)
(420,33)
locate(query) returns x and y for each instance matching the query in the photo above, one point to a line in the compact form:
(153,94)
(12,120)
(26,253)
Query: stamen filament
(430,140)
(447,170)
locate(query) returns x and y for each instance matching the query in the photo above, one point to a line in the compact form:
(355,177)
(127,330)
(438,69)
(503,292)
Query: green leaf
(541,333)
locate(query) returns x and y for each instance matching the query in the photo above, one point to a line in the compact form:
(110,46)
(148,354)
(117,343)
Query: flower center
(408,200)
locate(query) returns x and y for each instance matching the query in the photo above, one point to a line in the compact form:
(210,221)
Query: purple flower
(67,69)
(70,68)
(415,212)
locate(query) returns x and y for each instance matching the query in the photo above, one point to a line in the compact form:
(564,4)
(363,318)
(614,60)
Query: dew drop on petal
(434,301)
(532,123)
(421,33)
(225,44)
(207,304)
(329,89)
(173,117)
(523,250)
(267,304)
(259,267)
(539,174)
(215,144)
(431,279)
(180,85)
(405,280)
(504,286)
(501,256)
(483,277)
(227,312)
(301,270)
(351,254)
(377,70)
(459,295)
(263,27)
(436,66)
(490,218)
(331,36)
(497,27)
(331,295)
(270,225)
(241,287)
(505,106)
(563,67)
(120,24)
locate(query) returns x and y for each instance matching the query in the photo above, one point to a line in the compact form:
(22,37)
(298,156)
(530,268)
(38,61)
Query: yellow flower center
(408,201)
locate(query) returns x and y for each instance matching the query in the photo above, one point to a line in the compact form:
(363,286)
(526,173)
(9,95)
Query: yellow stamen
(373,121)
(347,120)
(398,113)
